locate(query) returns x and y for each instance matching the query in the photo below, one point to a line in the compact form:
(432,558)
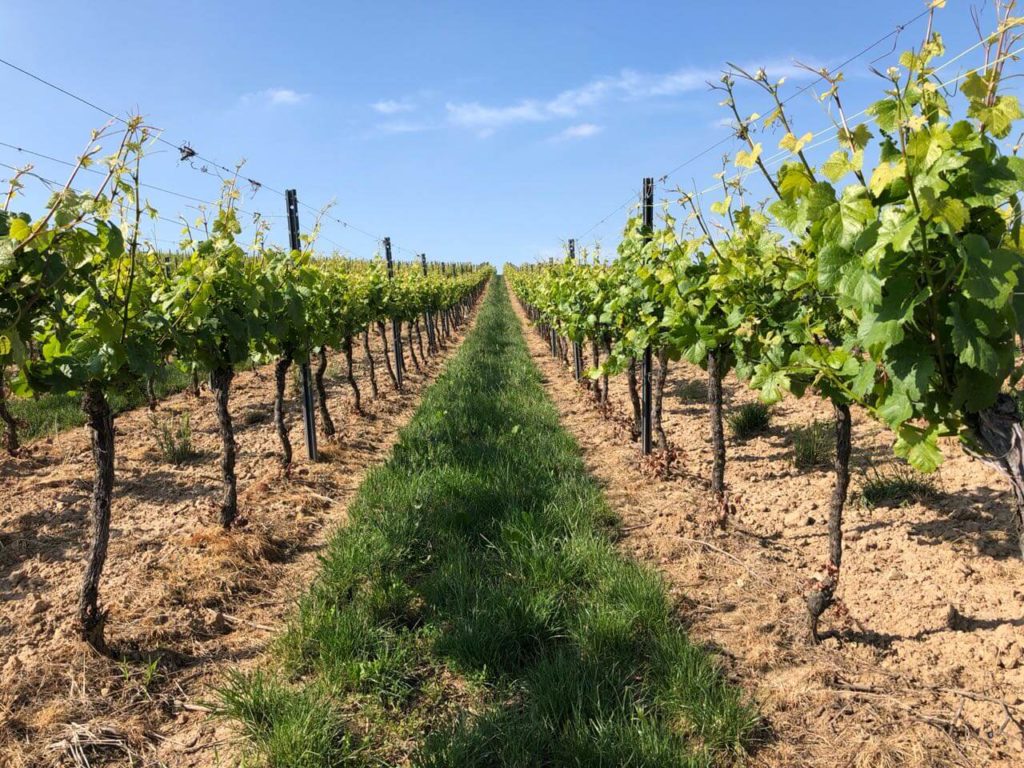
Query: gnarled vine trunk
(280,380)
(658,398)
(195,384)
(715,374)
(369,363)
(321,392)
(634,398)
(220,383)
(10,425)
(357,404)
(419,340)
(604,377)
(100,423)
(819,600)
(151,393)
(387,353)
(412,347)
(1000,438)
(595,355)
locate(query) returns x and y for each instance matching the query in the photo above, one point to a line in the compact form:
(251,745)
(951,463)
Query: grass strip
(475,612)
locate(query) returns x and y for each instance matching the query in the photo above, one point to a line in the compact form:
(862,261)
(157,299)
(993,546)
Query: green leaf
(19,229)
(919,446)
(969,339)
(840,163)
(793,144)
(865,379)
(895,408)
(721,207)
(998,119)
(794,181)
(745,159)
(884,175)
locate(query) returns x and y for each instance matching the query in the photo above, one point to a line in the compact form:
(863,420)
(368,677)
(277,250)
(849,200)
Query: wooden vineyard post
(646,364)
(308,413)
(396,326)
(577,348)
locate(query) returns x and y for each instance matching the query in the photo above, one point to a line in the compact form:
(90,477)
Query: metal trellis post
(646,365)
(308,411)
(396,326)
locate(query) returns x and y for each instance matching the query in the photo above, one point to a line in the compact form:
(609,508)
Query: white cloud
(392,107)
(581,131)
(403,126)
(276,97)
(628,85)
(486,120)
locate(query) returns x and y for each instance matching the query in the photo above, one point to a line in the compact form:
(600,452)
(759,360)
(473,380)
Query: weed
(692,390)
(173,438)
(290,727)
(896,485)
(814,446)
(750,420)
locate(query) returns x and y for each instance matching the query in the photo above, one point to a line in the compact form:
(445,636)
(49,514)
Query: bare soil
(923,664)
(187,602)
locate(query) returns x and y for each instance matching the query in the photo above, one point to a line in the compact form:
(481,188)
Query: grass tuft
(897,485)
(750,420)
(285,726)
(173,436)
(692,391)
(474,612)
(814,446)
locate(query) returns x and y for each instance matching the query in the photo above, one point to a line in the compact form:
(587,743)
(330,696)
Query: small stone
(38,606)
(1012,659)
(955,620)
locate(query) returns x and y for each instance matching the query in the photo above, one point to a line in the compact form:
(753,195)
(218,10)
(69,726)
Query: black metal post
(577,348)
(396,326)
(552,340)
(646,364)
(427,319)
(308,410)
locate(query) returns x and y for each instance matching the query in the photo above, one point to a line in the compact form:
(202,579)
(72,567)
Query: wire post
(308,411)
(427,315)
(577,348)
(552,341)
(444,310)
(646,364)
(396,326)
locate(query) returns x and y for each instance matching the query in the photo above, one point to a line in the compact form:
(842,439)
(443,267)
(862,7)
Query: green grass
(896,485)
(814,446)
(692,391)
(474,611)
(750,420)
(173,436)
(55,413)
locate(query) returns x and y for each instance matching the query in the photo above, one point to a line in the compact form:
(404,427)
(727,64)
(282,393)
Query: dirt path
(187,602)
(901,681)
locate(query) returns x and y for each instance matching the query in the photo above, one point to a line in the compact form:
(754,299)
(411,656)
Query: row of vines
(88,306)
(886,277)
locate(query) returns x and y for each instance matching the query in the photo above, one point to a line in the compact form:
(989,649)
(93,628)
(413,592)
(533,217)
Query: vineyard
(747,491)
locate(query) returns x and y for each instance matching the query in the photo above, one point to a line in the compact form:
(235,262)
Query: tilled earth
(187,602)
(923,664)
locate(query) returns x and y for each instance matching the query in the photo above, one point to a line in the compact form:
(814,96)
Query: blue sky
(468,130)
